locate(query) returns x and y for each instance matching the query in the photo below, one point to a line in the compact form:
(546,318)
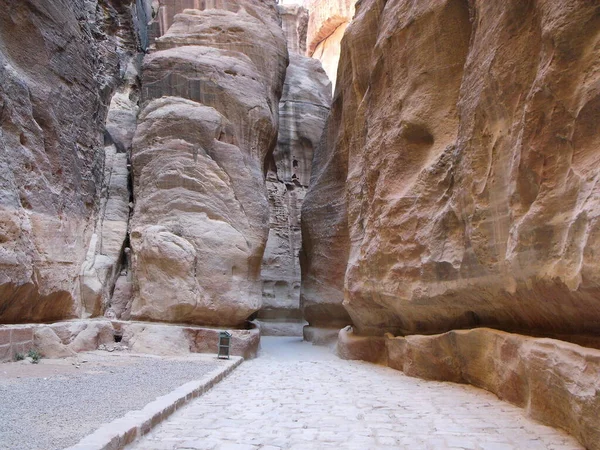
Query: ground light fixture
(224,345)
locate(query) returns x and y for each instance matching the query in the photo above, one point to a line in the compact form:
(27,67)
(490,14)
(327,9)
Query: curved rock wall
(457,183)
(209,120)
(59,64)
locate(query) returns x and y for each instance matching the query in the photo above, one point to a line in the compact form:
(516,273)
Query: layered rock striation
(60,62)
(209,120)
(456,185)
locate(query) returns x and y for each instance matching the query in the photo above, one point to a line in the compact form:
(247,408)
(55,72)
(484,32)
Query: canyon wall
(303,109)
(457,180)
(60,63)
(208,121)
(326,26)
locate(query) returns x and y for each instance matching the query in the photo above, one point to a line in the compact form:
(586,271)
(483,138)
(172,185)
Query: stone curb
(123,431)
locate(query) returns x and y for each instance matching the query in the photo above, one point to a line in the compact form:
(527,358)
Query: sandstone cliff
(60,62)
(208,122)
(326,26)
(457,182)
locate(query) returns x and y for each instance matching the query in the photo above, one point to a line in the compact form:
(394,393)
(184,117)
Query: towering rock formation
(326,26)
(209,119)
(60,62)
(303,110)
(294,21)
(458,181)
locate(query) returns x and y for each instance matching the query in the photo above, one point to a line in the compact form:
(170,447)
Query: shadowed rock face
(59,63)
(200,222)
(456,185)
(302,111)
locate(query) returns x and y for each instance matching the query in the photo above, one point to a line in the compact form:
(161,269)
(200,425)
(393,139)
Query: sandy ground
(54,404)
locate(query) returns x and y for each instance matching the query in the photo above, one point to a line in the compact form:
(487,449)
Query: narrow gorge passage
(411,183)
(298,396)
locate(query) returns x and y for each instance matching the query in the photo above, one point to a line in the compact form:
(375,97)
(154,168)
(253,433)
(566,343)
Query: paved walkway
(296,396)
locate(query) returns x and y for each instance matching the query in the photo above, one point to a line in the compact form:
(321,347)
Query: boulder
(49,344)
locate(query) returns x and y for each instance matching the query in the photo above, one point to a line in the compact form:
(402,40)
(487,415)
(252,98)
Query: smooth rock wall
(457,183)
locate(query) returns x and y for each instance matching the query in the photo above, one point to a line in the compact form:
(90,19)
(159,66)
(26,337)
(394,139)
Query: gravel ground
(54,412)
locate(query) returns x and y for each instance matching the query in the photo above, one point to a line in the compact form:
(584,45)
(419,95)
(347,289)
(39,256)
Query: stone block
(4,336)
(24,334)
(5,353)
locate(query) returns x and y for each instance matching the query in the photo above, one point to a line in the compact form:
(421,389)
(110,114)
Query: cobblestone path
(296,396)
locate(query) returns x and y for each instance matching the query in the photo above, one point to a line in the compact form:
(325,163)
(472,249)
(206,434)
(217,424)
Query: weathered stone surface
(84,336)
(260,9)
(243,343)
(556,382)
(302,113)
(456,186)
(59,64)
(200,222)
(326,26)
(321,335)
(236,31)
(122,297)
(169,340)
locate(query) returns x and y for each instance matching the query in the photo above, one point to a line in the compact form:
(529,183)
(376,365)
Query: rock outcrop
(457,182)
(60,62)
(327,23)
(556,382)
(209,120)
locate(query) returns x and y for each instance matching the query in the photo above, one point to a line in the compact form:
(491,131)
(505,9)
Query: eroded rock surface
(60,62)
(200,222)
(457,183)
